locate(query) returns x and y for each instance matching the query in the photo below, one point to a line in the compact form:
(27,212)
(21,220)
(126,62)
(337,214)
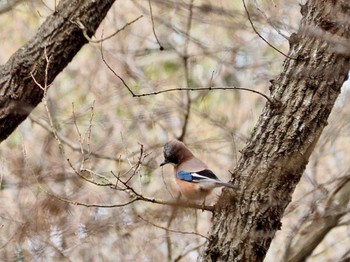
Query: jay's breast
(192,191)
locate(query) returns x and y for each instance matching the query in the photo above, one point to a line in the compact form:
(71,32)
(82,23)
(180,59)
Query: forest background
(90,121)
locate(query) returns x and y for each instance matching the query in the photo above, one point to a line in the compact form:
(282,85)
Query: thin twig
(82,27)
(187,74)
(45,88)
(165,185)
(79,173)
(262,38)
(110,68)
(88,130)
(9,6)
(161,48)
(138,164)
(91,172)
(268,20)
(211,78)
(80,138)
(204,88)
(172,230)
(187,252)
(180,88)
(76,203)
(74,146)
(341,184)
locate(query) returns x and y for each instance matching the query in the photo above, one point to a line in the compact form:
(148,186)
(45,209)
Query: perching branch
(136,197)
(134,194)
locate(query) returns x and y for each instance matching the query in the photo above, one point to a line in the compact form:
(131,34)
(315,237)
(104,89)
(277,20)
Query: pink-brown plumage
(193,177)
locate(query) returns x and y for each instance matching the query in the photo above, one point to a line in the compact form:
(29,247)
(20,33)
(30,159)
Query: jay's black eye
(172,159)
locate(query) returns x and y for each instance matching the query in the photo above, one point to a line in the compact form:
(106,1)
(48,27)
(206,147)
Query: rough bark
(278,150)
(62,38)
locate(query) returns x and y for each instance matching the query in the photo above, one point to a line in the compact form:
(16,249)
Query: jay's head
(175,152)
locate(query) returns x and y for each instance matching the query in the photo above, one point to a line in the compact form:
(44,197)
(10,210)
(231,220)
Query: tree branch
(210,88)
(315,231)
(260,36)
(62,39)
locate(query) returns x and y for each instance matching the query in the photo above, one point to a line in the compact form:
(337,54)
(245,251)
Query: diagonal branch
(62,38)
(259,35)
(305,244)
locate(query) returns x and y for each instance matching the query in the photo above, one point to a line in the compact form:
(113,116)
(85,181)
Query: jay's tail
(230,185)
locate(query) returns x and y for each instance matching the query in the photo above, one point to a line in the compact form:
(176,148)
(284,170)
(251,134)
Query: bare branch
(80,138)
(71,144)
(187,252)
(320,226)
(210,88)
(82,27)
(187,75)
(9,5)
(76,203)
(45,88)
(138,164)
(171,230)
(161,48)
(260,36)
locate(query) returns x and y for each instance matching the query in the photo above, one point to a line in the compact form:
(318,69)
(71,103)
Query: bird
(193,177)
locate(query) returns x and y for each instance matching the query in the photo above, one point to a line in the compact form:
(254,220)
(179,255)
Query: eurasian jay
(193,177)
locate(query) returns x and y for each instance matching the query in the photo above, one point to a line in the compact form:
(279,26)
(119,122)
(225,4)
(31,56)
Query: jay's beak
(164,162)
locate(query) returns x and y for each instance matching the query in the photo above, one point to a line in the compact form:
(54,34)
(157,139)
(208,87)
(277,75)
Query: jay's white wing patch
(197,177)
(206,178)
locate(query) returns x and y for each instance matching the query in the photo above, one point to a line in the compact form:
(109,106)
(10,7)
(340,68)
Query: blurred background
(100,128)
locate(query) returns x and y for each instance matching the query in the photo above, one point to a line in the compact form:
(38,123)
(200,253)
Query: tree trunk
(278,150)
(62,38)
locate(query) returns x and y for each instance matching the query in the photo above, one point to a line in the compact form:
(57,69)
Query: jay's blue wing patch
(206,178)
(196,176)
(186,176)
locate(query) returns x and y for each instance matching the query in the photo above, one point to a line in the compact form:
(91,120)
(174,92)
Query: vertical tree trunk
(280,145)
(62,37)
